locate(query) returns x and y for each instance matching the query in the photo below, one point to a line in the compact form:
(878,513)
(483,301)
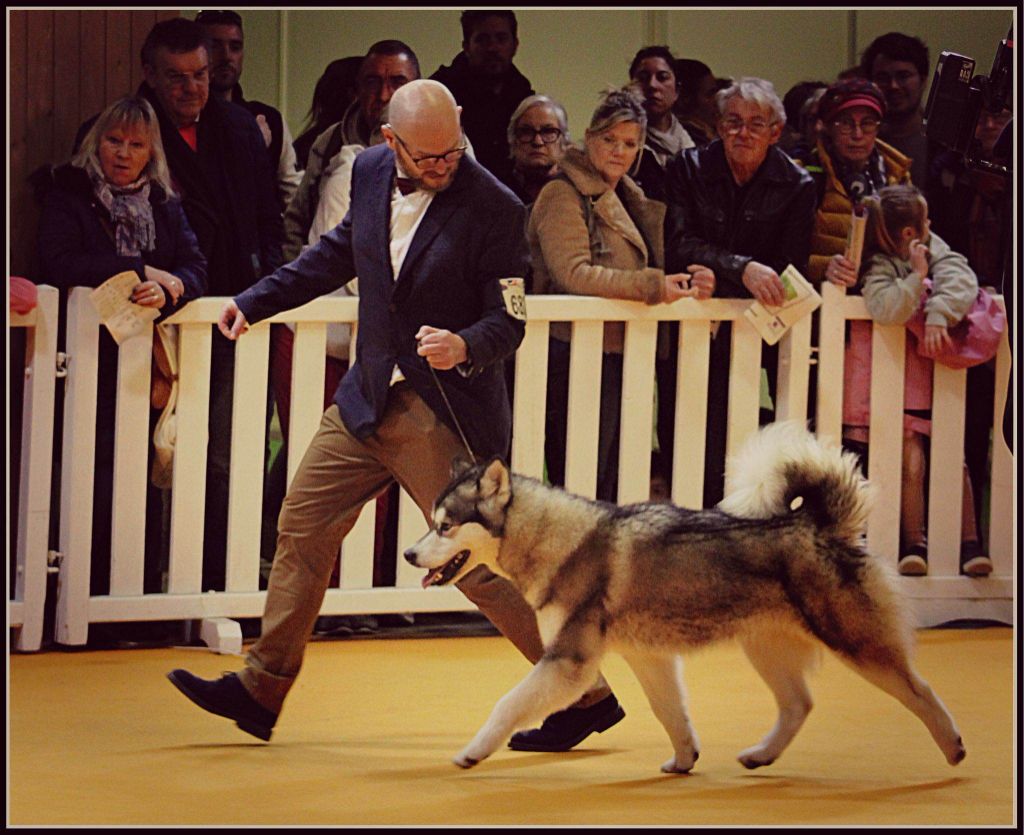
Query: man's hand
(232,321)
(764,284)
(442,349)
(842,271)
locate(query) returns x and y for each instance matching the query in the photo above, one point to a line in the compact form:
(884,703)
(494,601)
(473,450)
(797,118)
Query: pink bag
(975,338)
(22,295)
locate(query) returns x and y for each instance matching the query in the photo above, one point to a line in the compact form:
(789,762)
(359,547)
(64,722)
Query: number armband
(513,293)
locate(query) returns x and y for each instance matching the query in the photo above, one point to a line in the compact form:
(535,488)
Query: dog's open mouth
(444,573)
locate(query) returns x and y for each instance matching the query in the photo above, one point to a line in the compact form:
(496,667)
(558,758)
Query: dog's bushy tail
(784,466)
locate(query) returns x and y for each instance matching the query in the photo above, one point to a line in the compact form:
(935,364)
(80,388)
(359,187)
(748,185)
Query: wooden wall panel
(65,67)
(92,85)
(18,224)
(67,113)
(141,23)
(39,89)
(119,44)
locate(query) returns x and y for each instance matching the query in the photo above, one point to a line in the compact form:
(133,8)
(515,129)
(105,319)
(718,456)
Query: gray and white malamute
(779,565)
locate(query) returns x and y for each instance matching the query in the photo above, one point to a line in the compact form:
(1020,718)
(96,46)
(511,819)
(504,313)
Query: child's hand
(919,257)
(935,337)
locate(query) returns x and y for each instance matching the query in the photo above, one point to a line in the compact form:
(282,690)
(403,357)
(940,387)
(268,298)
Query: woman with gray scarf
(112,209)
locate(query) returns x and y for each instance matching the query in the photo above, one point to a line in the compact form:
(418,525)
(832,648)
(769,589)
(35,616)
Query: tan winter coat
(620,256)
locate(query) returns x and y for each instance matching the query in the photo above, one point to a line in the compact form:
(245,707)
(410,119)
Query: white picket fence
(941,596)
(25,610)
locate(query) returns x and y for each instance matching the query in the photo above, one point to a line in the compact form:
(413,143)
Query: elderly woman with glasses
(538,134)
(593,232)
(848,163)
(744,208)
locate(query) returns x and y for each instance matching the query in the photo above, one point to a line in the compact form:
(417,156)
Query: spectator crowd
(684,183)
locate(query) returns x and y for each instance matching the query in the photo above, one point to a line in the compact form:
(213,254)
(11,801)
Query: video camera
(957,97)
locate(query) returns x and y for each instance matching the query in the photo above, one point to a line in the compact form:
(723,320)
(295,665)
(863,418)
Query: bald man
(434,239)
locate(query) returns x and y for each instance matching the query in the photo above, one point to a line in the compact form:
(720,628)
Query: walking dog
(780,565)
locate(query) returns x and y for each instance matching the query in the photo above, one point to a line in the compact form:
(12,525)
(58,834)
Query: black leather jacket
(713,221)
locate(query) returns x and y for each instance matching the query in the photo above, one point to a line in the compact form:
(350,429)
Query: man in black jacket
(220,167)
(227,54)
(746,210)
(487,85)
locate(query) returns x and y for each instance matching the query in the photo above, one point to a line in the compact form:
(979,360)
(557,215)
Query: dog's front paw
(470,756)
(956,753)
(462,761)
(755,757)
(680,765)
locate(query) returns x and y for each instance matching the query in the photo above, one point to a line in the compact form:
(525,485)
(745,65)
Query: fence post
(77,470)
(36,469)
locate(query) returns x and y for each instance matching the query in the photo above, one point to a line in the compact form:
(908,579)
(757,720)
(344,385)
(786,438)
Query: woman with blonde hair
(593,232)
(112,209)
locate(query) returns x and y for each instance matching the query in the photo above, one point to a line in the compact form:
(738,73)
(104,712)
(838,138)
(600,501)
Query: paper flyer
(123,318)
(801,299)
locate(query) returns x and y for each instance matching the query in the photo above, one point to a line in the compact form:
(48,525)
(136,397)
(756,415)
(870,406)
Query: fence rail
(941,596)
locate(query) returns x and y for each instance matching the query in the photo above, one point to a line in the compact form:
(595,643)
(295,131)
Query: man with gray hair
(746,210)
(439,247)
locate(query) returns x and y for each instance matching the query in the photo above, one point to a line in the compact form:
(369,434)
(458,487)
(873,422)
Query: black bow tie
(405,185)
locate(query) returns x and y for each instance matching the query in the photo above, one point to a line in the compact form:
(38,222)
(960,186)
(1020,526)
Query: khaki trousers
(337,476)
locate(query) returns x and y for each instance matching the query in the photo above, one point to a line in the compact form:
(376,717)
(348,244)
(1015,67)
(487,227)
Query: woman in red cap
(848,163)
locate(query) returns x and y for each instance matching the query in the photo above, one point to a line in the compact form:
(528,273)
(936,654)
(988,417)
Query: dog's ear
(459,465)
(496,481)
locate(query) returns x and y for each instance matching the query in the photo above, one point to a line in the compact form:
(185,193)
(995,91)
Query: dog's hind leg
(661,676)
(782,660)
(889,668)
(555,682)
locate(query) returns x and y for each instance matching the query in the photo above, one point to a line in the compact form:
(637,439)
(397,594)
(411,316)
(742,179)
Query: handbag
(975,338)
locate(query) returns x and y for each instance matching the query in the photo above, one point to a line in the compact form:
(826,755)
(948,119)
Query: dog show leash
(451,411)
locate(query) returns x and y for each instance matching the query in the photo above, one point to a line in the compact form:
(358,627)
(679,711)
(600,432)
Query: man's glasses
(213,17)
(868,126)
(448,157)
(733,125)
(526,134)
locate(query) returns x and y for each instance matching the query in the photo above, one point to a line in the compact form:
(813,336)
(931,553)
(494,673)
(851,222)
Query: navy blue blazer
(472,235)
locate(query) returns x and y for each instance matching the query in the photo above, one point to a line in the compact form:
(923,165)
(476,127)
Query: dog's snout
(410,556)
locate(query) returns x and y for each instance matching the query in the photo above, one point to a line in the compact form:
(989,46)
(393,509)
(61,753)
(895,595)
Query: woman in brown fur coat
(593,232)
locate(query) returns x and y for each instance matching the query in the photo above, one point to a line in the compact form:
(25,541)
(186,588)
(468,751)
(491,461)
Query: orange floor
(367,733)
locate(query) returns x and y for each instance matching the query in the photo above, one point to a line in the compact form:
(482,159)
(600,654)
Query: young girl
(900,252)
